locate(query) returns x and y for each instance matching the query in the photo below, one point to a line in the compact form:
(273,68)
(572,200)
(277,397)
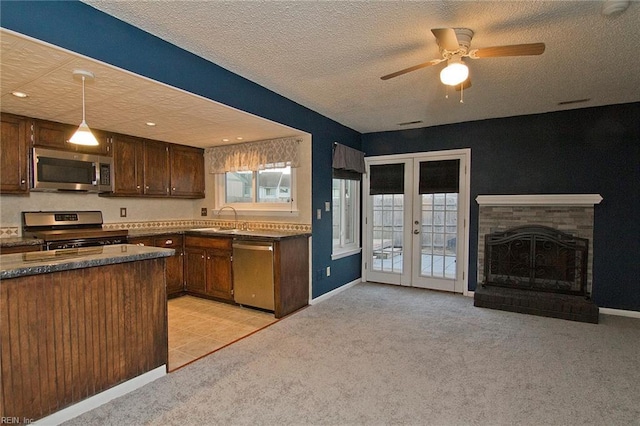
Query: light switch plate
(123,212)
(319,214)
(203,211)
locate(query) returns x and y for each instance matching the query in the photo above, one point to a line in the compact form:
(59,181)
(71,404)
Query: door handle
(415,231)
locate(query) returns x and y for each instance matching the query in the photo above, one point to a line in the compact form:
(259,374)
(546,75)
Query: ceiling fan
(454,46)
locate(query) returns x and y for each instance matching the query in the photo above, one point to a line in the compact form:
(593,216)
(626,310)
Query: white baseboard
(620,312)
(102,398)
(334,292)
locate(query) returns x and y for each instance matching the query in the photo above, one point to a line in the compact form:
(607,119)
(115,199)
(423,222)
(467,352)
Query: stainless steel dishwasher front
(253,273)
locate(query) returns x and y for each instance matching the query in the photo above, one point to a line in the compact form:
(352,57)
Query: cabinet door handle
(208,257)
(23,181)
(147,187)
(173,189)
(202,256)
(168,242)
(138,187)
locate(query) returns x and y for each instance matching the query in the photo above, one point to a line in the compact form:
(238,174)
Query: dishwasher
(253,273)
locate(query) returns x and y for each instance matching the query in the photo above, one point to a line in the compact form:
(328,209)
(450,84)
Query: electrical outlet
(328,271)
(327,206)
(123,212)
(203,211)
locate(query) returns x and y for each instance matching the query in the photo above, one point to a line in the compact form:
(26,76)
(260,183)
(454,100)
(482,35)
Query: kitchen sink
(217,230)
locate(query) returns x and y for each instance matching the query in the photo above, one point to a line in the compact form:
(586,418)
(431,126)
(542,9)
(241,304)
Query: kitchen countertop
(256,234)
(42,262)
(19,241)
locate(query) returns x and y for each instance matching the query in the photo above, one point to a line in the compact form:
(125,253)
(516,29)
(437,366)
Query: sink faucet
(235,215)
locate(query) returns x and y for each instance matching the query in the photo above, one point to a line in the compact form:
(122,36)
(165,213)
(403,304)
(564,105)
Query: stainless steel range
(70,229)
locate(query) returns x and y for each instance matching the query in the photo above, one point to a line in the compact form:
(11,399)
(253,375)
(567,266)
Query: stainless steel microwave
(54,170)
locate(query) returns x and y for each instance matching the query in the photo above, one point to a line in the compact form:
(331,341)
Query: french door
(416,214)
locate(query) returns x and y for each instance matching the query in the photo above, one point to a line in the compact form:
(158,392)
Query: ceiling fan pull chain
(462,92)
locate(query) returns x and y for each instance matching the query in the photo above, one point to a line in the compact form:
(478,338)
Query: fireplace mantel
(539,200)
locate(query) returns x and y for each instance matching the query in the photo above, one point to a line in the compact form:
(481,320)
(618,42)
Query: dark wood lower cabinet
(291,275)
(202,267)
(175,263)
(208,267)
(69,335)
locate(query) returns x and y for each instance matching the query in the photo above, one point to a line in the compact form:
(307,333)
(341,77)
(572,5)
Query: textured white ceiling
(329,56)
(117,100)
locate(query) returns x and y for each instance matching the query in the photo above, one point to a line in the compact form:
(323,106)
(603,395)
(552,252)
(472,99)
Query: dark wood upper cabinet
(14,145)
(55,135)
(187,171)
(156,168)
(128,165)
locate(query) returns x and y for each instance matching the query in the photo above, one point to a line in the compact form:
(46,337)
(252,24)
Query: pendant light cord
(83,117)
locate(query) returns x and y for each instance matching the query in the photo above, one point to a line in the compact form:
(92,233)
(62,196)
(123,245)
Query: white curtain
(254,156)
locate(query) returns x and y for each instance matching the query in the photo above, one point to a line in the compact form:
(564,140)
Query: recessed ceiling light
(239,138)
(150,124)
(19,94)
(225,140)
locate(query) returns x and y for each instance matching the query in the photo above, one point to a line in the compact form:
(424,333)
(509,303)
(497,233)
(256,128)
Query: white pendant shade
(83,136)
(455,73)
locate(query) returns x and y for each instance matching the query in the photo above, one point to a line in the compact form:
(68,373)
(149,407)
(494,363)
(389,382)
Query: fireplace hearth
(537,270)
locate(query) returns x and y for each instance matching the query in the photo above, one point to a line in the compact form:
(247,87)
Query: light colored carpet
(377,354)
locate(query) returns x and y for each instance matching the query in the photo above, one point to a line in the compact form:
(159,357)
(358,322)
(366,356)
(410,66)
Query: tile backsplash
(9,232)
(276,226)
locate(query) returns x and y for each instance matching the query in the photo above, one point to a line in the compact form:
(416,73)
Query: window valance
(254,156)
(348,163)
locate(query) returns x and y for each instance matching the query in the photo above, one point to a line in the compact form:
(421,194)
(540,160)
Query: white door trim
(465,158)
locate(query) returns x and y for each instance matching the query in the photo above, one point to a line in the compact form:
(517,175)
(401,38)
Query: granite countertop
(42,262)
(19,241)
(271,234)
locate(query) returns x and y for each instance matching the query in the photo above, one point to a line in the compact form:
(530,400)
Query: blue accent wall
(80,28)
(588,151)
(593,150)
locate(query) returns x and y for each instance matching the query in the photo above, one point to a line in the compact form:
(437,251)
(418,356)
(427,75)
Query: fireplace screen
(537,258)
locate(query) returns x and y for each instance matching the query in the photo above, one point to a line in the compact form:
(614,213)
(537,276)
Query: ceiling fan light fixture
(454,73)
(83,135)
(614,7)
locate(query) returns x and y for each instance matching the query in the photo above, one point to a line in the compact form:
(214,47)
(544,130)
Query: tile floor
(198,327)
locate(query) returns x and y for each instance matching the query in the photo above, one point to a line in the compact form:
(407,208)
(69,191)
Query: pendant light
(83,135)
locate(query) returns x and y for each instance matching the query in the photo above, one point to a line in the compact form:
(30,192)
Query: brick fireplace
(561,217)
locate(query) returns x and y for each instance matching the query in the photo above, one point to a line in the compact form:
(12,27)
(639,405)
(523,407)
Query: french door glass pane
(388,228)
(439,228)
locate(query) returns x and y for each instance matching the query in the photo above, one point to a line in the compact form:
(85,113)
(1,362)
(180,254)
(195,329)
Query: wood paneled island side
(76,322)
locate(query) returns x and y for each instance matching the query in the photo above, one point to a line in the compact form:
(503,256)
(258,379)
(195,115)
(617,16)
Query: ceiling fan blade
(464,85)
(511,50)
(413,68)
(447,38)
